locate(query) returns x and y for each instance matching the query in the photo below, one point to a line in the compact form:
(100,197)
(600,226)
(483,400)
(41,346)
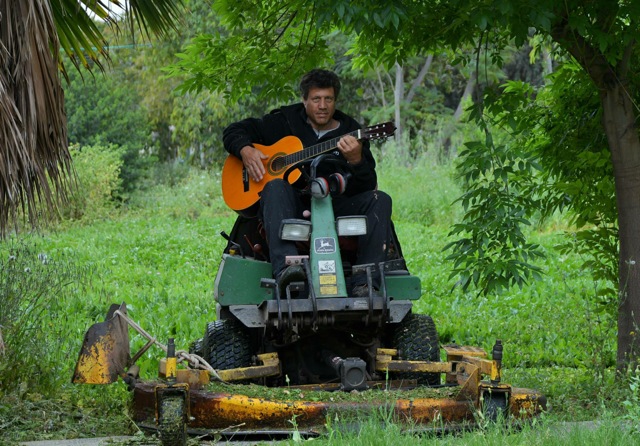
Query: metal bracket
(270,367)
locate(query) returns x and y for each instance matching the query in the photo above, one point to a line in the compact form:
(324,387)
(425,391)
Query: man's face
(320,106)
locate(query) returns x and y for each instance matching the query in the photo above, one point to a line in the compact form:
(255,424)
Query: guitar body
(239,191)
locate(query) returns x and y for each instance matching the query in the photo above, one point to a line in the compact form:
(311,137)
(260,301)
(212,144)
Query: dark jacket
(292,120)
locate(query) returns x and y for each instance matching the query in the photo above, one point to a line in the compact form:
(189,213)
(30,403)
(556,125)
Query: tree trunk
(618,121)
(547,62)
(383,100)
(420,79)
(445,141)
(398,95)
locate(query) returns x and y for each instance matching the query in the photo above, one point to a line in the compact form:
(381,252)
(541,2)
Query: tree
(104,110)
(399,95)
(35,165)
(601,36)
(602,39)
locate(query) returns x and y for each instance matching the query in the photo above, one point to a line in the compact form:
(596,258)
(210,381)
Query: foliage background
(160,253)
(143,225)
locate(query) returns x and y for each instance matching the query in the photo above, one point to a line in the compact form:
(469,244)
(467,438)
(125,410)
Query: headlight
(354,225)
(295,229)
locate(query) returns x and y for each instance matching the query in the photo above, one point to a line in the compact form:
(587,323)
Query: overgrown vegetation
(35,290)
(143,225)
(160,254)
(99,184)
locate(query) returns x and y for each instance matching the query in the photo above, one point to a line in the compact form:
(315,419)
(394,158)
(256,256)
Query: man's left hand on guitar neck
(351,149)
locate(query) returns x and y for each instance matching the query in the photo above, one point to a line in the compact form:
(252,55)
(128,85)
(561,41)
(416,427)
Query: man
(314,120)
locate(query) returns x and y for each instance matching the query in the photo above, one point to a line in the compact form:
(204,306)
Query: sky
(117,10)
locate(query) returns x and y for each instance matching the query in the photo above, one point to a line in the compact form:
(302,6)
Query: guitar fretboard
(309,152)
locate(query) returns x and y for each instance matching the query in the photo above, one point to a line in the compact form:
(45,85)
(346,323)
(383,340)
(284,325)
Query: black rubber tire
(416,338)
(227,345)
(171,421)
(196,347)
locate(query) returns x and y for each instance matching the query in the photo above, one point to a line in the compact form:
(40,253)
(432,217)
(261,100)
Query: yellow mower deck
(236,409)
(183,399)
(233,410)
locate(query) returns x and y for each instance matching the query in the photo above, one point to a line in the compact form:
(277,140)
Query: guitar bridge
(245,179)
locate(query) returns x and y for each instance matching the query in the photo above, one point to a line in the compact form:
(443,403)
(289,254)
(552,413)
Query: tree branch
(592,60)
(418,80)
(381,82)
(623,65)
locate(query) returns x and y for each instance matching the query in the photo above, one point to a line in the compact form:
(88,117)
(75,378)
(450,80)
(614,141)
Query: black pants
(279,200)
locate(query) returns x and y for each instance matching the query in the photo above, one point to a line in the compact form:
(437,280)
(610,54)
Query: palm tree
(35,165)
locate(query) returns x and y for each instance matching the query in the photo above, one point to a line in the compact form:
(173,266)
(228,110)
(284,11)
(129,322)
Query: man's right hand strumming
(252,160)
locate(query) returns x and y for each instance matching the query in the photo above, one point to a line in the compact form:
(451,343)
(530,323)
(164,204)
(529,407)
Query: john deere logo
(324,245)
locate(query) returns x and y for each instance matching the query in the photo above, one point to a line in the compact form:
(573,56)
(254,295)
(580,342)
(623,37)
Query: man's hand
(351,149)
(252,160)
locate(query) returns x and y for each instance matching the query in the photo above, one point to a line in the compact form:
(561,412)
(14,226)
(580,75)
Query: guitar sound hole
(277,164)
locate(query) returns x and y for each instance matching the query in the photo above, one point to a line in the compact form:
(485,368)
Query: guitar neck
(317,149)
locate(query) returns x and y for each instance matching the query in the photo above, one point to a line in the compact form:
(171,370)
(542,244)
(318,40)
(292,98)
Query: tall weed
(33,318)
(632,403)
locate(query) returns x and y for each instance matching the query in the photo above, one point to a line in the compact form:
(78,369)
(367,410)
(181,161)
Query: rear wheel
(416,339)
(226,345)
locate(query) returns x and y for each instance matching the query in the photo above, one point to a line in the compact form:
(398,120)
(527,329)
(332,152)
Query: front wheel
(226,345)
(416,338)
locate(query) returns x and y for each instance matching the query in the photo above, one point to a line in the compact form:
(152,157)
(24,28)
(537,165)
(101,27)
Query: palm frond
(153,16)
(80,36)
(35,164)
(34,160)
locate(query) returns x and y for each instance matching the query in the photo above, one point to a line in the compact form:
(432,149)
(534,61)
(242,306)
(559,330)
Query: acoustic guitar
(241,193)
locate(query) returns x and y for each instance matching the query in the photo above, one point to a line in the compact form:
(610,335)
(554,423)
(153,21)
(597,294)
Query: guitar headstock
(379,131)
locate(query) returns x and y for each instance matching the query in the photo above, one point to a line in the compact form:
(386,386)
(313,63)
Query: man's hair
(318,78)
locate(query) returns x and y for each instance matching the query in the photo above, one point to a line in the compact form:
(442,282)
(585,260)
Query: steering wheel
(334,184)
(298,165)
(341,163)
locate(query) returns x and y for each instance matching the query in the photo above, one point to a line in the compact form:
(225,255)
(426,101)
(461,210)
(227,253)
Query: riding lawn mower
(285,357)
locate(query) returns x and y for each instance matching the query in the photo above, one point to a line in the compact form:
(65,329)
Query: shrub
(104,109)
(632,403)
(98,168)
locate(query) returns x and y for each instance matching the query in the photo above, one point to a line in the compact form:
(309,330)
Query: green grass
(380,432)
(160,256)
